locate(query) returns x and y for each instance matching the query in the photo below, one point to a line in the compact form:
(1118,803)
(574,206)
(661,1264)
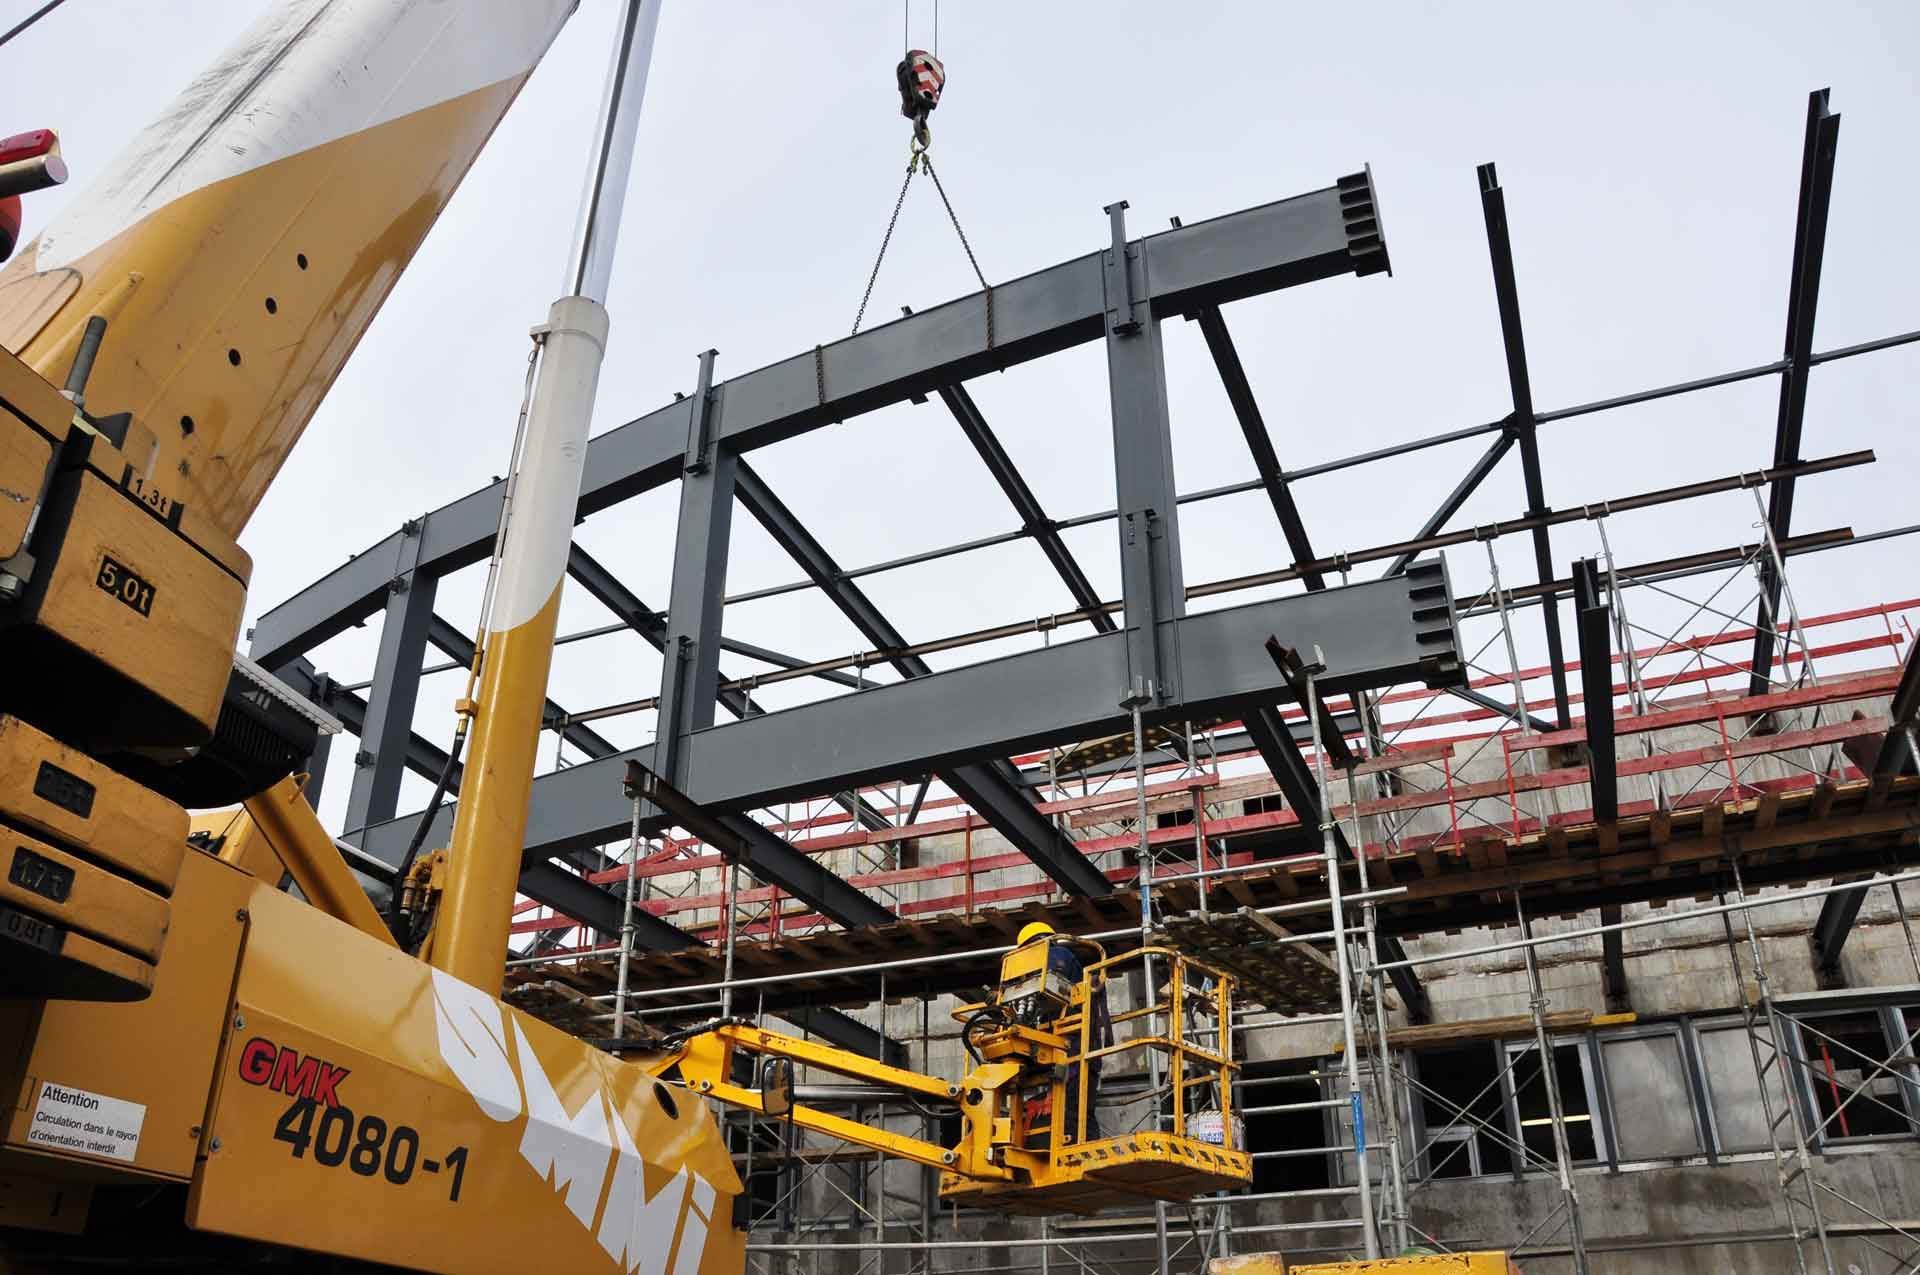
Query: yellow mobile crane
(200,1068)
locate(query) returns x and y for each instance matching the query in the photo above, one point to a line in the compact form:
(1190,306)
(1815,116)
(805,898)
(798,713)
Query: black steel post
(1803,296)
(1493,207)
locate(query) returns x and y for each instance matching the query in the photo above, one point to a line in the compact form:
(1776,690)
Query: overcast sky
(1650,155)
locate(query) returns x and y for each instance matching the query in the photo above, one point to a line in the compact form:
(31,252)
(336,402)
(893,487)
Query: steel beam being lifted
(1328,232)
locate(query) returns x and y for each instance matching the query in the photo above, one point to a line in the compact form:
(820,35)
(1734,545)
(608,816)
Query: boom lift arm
(1029,1141)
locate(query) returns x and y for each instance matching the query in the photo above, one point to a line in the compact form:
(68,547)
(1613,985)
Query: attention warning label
(90,1123)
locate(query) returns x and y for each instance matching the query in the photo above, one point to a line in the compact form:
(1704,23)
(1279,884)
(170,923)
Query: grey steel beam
(1033,518)
(1281,753)
(1593,623)
(1152,583)
(381,760)
(994,788)
(1314,236)
(1375,634)
(1506,291)
(1838,912)
(316,767)
(1803,297)
(1246,410)
(611,592)
(459,647)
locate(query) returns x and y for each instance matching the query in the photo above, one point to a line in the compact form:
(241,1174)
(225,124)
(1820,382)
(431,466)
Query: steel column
(1524,424)
(1593,621)
(690,669)
(1152,583)
(613,594)
(382,758)
(1803,296)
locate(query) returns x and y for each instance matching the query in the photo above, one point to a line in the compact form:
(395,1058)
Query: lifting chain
(921,77)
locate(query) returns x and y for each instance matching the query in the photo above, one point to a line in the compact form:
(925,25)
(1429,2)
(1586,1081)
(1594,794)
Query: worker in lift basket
(1064,961)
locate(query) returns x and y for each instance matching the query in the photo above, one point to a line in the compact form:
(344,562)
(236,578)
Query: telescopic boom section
(476,905)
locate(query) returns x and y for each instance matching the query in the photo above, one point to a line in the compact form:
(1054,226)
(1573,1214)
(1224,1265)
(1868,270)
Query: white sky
(1650,155)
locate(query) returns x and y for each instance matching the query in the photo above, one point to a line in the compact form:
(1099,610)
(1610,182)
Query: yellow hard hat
(1033,930)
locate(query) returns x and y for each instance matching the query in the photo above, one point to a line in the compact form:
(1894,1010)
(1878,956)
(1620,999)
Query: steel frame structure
(1145,662)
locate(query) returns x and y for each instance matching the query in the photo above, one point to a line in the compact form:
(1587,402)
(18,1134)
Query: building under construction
(1603,959)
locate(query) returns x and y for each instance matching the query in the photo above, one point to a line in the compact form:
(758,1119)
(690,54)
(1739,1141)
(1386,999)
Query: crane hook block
(920,76)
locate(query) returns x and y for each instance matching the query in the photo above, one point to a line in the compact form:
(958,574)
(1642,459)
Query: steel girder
(987,783)
(1314,236)
(1374,634)
(1803,296)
